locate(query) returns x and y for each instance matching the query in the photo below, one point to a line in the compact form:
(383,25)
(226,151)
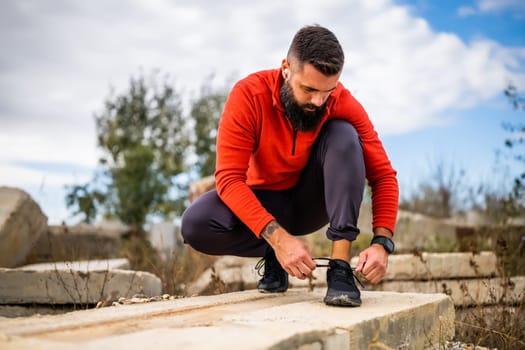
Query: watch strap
(386,242)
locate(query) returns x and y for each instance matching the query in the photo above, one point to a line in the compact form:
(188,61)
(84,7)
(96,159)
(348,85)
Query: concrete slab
(12,311)
(107,228)
(434,266)
(239,273)
(74,287)
(81,265)
(64,245)
(21,224)
(297,319)
(466,292)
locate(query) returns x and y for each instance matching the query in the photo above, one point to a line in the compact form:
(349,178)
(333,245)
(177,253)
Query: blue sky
(431,75)
(473,141)
(503,21)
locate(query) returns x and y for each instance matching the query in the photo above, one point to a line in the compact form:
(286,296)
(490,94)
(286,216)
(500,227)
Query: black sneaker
(274,279)
(342,290)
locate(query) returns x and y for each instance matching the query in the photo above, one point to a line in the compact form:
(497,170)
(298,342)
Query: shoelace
(259,266)
(327,265)
(261,262)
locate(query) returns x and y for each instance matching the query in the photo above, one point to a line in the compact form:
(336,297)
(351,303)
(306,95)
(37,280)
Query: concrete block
(466,292)
(81,265)
(297,319)
(430,266)
(63,245)
(111,228)
(460,265)
(11,311)
(21,223)
(240,274)
(18,343)
(313,346)
(166,238)
(234,272)
(422,328)
(339,340)
(74,287)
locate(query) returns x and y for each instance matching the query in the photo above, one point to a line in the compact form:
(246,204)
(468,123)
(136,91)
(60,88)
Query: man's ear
(285,67)
(285,64)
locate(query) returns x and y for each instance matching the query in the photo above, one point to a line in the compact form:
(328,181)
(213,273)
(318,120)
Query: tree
(511,204)
(143,138)
(438,197)
(516,139)
(206,112)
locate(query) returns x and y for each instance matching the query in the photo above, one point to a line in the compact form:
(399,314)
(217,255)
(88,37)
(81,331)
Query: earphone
(285,73)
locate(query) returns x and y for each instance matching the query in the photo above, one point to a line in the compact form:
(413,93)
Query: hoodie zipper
(293,142)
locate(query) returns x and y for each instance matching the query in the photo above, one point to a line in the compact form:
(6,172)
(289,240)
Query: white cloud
(408,76)
(465,11)
(13,175)
(397,65)
(493,6)
(498,5)
(59,59)
(70,142)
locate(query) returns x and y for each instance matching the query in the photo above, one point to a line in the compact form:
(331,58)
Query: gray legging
(330,190)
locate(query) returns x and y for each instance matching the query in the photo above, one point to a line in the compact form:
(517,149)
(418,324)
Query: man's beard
(300,118)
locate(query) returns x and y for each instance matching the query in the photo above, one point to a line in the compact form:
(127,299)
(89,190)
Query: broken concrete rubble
(21,224)
(77,242)
(18,286)
(82,265)
(468,278)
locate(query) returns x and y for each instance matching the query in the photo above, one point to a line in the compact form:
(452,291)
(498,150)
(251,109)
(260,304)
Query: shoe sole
(342,300)
(273,291)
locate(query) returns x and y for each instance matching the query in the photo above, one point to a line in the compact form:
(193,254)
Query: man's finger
(361,263)
(298,273)
(304,268)
(310,263)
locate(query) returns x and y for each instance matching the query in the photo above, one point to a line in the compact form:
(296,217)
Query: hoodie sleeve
(236,140)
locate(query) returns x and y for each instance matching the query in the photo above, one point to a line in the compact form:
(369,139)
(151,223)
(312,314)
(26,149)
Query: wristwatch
(386,242)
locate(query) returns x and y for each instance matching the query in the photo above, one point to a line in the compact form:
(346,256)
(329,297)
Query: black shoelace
(260,264)
(328,265)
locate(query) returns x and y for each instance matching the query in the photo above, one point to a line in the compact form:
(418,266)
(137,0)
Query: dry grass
(501,325)
(175,272)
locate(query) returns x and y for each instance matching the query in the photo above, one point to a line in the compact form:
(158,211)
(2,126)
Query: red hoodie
(257,147)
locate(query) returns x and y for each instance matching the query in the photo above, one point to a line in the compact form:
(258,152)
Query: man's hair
(319,47)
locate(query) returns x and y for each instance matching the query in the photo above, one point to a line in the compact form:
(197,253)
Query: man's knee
(191,225)
(343,137)
(195,223)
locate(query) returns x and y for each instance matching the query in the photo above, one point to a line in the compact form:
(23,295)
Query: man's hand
(291,252)
(373,261)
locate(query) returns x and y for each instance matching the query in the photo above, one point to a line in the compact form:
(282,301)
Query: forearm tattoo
(269,230)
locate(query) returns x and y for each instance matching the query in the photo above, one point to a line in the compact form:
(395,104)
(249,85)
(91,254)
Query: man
(293,150)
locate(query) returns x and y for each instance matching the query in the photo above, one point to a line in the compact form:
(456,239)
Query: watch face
(389,246)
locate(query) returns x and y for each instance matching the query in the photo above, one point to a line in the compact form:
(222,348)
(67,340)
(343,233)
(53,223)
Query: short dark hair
(319,47)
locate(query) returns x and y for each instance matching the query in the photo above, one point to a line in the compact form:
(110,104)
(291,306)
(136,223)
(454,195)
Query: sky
(430,74)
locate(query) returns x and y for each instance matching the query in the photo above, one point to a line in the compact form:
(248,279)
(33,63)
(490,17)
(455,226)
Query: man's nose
(317,99)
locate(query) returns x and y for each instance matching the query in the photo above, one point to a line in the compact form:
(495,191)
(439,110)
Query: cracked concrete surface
(297,319)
